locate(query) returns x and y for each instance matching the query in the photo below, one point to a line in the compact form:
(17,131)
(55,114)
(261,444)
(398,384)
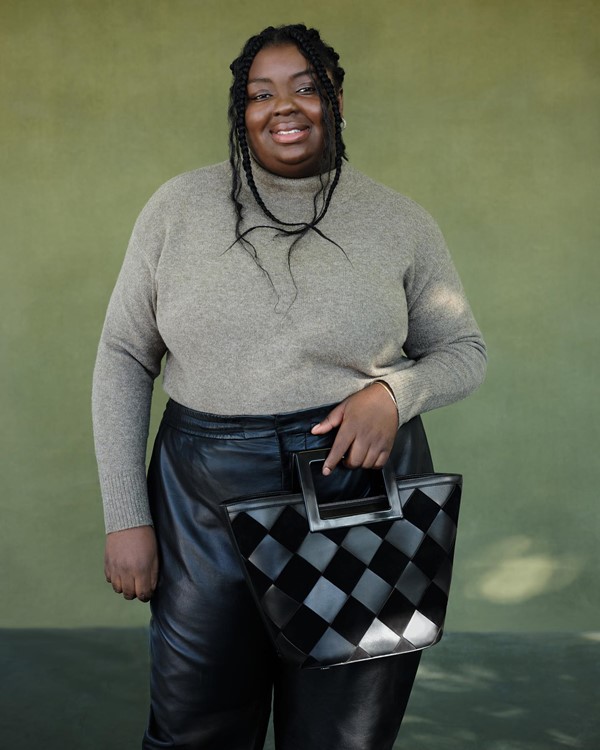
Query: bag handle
(316,522)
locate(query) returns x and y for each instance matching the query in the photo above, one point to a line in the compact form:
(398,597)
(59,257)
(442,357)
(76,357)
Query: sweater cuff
(412,392)
(125,499)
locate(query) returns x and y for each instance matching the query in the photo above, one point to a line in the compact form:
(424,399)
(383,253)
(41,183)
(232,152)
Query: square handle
(304,460)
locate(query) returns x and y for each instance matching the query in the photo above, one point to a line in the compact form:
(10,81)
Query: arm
(444,343)
(128,361)
(447,353)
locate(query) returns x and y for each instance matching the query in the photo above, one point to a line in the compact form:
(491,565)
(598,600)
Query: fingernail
(326,471)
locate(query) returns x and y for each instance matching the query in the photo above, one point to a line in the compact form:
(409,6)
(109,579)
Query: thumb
(332,420)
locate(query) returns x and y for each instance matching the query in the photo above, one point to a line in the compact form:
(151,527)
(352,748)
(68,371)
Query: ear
(341,101)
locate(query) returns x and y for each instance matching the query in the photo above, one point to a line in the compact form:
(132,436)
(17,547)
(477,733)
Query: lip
(289,132)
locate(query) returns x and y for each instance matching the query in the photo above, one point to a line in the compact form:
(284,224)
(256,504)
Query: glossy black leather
(213,667)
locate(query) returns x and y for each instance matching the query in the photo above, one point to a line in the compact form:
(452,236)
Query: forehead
(281,61)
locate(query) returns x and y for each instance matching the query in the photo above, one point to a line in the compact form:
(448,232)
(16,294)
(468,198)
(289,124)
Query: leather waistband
(242,425)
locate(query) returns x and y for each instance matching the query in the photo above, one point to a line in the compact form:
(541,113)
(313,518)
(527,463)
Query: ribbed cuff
(125,499)
(412,393)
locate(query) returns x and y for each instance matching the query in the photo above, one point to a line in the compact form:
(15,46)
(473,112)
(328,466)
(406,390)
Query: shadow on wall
(87,689)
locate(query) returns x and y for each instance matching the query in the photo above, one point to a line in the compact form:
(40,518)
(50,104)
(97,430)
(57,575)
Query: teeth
(287,132)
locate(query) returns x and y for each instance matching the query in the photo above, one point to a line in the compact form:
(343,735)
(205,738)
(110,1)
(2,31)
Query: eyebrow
(301,73)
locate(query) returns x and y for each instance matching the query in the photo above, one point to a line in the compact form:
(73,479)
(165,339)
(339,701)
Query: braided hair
(323,61)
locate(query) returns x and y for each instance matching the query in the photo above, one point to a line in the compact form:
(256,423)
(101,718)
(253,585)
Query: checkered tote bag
(350,580)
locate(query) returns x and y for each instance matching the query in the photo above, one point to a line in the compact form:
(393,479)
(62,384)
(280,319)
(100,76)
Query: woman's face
(284,119)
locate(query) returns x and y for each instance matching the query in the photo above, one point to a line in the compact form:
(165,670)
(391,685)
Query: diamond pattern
(396,613)
(405,537)
(281,607)
(270,556)
(353,621)
(305,628)
(379,639)
(421,631)
(443,530)
(332,646)
(318,550)
(413,583)
(388,562)
(351,593)
(420,509)
(372,591)
(429,557)
(325,599)
(344,570)
(298,578)
(362,543)
(289,529)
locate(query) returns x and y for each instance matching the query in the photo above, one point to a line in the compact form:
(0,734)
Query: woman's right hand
(131,562)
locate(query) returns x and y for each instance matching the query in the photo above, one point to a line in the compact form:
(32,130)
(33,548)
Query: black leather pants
(213,668)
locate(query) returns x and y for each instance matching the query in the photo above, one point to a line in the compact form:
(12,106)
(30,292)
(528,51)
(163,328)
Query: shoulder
(386,204)
(207,183)
(382,210)
(188,199)
(360,186)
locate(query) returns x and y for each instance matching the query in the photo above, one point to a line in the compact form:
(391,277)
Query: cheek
(316,113)
(316,116)
(254,126)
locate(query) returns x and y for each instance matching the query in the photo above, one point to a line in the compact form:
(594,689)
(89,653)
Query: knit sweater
(248,337)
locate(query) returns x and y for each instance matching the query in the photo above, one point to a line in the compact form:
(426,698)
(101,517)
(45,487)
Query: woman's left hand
(368,422)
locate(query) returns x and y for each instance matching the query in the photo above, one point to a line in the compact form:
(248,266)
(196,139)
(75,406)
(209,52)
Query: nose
(284,105)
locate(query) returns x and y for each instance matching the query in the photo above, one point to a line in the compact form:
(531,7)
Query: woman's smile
(286,133)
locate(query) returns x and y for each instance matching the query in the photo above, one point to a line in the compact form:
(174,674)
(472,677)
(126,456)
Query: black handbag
(350,580)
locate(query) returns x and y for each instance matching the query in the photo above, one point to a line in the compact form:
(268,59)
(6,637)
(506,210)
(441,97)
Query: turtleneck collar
(290,199)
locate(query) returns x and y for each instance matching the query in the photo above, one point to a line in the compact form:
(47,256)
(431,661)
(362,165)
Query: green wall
(484,111)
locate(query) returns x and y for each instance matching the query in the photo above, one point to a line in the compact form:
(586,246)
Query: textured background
(486,112)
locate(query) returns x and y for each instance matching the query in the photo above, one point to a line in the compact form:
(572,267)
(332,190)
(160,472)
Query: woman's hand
(131,562)
(368,422)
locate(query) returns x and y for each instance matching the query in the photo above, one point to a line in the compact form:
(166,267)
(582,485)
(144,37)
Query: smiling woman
(284,117)
(299,305)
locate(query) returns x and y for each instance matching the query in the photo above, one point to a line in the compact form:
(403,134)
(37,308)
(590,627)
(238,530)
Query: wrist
(388,389)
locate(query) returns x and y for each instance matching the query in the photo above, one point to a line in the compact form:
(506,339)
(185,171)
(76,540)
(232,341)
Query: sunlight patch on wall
(515,570)
(591,636)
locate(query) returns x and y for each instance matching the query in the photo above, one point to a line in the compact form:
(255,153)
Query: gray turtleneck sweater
(387,305)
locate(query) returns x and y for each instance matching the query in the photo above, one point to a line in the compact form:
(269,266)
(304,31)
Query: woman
(299,305)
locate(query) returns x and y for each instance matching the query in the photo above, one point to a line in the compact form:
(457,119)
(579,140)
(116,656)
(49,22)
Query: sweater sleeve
(444,344)
(128,362)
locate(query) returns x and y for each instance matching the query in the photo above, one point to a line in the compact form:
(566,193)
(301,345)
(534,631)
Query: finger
(331,421)
(368,460)
(116,584)
(343,440)
(355,457)
(381,460)
(144,589)
(128,585)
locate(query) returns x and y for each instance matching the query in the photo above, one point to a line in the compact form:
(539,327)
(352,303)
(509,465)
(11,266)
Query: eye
(308,89)
(260,97)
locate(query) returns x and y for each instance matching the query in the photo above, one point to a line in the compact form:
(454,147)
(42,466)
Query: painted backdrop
(484,111)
